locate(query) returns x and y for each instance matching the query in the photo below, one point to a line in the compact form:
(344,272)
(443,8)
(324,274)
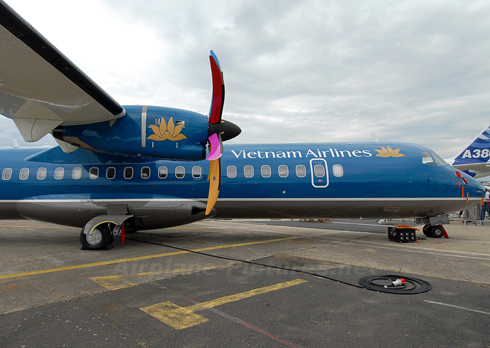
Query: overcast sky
(295,71)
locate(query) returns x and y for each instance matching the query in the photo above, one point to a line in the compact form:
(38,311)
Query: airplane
(475,158)
(121,169)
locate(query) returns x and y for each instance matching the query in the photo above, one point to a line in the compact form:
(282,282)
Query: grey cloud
(324,70)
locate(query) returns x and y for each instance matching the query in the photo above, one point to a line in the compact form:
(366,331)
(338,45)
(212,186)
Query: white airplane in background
(475,158)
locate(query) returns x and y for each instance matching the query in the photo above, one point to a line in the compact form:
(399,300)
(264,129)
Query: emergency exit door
(319,173)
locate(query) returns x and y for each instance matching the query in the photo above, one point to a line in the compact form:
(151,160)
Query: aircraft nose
(474,188)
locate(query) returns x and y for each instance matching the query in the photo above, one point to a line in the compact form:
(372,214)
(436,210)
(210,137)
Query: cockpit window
(438,159)
(427,159)
(432,159)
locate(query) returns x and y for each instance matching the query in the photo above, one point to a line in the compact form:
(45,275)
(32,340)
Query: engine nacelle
(148,131)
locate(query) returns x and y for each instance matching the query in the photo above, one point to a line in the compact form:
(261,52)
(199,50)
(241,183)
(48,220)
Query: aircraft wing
(40,88)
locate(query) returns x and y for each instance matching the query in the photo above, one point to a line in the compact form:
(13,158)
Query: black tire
(100,238)
(437,231)
(427,231)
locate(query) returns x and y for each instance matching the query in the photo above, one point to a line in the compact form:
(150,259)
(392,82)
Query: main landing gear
(99,233)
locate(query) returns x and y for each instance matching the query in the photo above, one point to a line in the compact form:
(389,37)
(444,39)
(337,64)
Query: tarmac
(242,283)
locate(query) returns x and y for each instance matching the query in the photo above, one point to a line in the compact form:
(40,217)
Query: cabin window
(196,172)
(231,172)
(300,171)
(248,171)
(265,171)
(283,171)
(128,173)
(7,174)
(93,173)
(59,173)
(145,172)
(179,172)
(427,158)
(24,174)
(338,170)
(319,171)
(76,173)
(110,173)
(41,173)
(162,172)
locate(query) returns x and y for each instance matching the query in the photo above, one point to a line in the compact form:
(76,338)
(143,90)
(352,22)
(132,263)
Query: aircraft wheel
(427,231)
(100,238)
(437,231)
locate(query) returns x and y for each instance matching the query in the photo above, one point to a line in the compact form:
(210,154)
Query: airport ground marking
(234,319)
(138,258)
(458,307)
(427,251)
(184,317)
(116,282)
(410,246)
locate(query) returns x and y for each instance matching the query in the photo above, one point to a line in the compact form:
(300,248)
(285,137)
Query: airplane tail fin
(477,152)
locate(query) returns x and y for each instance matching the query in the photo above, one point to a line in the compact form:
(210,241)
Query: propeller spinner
(218,131)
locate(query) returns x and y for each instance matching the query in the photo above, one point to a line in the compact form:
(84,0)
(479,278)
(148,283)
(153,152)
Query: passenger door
(319,173)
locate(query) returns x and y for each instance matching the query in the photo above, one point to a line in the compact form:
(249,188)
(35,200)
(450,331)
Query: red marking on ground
(268,334)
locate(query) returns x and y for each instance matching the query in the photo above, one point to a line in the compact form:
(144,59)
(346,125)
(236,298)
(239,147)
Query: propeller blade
(218,99)
(214,183)
(218,131)
(215,141)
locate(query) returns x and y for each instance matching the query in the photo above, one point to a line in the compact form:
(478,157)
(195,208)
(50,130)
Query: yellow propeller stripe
(214,183)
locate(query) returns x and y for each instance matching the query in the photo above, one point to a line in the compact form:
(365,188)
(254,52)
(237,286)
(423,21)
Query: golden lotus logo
(389,152)
(164,132)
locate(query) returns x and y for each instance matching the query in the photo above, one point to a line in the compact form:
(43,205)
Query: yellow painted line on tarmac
(184,317)
(116,282)
(113,282)
(139,258)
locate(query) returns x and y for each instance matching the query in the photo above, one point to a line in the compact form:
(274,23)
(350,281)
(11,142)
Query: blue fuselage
(258,181)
